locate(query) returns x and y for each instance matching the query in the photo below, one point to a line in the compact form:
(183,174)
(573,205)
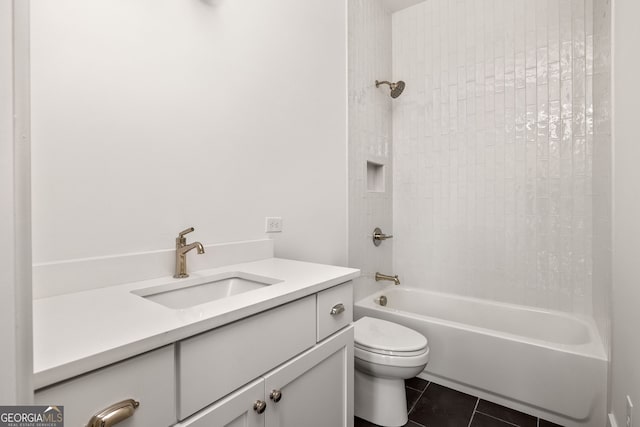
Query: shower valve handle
(379,236)
(382,236)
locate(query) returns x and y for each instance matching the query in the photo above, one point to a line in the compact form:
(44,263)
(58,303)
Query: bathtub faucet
(380,276)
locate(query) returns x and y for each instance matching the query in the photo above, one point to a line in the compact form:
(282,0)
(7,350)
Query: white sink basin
(181,293)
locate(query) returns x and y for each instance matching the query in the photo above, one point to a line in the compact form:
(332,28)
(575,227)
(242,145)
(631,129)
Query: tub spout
(380,276)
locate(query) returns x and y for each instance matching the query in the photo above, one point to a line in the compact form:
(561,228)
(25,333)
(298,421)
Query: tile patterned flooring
(433,405)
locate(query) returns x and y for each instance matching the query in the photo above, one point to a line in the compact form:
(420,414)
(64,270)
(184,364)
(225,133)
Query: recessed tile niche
(375,177)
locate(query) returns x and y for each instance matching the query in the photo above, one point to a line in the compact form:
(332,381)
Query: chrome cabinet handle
(276,395)
(114,414)
(379,236)
(259,406)
(337,309)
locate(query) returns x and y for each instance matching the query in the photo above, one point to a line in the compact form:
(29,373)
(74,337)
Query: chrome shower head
(396,88)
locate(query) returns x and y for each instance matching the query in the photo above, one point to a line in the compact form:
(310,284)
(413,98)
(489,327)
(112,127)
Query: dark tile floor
(433,405)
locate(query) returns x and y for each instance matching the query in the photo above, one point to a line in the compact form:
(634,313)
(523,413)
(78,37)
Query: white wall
(7,256)
(16,367)
(626,211)
(493,146)
(369,140)
(150,116)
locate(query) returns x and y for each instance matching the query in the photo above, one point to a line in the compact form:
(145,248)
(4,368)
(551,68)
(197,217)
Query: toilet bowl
(385,355)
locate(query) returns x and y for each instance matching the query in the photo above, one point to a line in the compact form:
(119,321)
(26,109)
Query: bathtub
(545,363)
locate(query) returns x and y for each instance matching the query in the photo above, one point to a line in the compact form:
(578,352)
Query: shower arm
(383,82)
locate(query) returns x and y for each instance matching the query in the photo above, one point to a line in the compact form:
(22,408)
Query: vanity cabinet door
(316,388)
(235,410)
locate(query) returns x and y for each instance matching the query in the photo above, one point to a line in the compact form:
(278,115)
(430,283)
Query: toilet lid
(378,334)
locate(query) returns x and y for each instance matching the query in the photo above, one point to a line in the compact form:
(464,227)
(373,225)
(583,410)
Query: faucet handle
(187,231)
(379,236)
(181,240)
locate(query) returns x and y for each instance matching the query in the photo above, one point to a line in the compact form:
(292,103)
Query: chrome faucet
(380,276)
(181,251)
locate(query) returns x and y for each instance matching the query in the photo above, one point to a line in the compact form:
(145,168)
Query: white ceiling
(396,5)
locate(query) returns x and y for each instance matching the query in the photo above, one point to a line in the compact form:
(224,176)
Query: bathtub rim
(594,348)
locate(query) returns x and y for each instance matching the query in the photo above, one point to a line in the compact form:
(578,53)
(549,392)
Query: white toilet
(385,355)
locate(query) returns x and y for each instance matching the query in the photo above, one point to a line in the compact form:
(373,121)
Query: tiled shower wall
(369,139)
(494,149)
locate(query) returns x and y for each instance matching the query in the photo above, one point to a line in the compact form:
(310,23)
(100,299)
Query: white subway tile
(498,135)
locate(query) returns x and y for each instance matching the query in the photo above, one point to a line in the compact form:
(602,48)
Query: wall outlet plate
(629,412)
(273,224)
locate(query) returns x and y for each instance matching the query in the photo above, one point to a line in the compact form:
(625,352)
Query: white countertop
(79,332)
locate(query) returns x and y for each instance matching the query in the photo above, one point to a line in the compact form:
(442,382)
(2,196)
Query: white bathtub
(549,364)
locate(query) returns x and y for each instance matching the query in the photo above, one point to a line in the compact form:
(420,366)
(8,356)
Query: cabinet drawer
(213,364)
(330,304)
(148,379)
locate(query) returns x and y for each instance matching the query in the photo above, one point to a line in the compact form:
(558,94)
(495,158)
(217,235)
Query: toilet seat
(419,359)
(388,338)
(390,352)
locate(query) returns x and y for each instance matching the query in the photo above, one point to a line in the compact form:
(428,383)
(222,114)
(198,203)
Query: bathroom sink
(180,294)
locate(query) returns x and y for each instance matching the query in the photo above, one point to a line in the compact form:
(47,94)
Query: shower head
(396,88)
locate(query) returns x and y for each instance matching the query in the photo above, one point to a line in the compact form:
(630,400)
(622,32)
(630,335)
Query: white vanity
(277,355)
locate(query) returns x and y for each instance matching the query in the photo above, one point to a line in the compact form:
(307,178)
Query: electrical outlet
(273,224)
(629,412)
